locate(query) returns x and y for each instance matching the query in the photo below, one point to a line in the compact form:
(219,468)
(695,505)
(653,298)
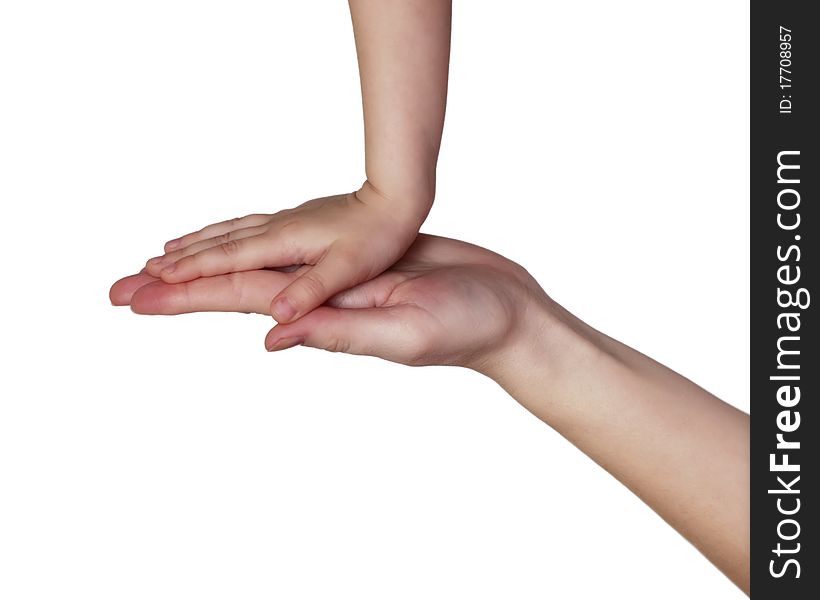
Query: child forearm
(403,49)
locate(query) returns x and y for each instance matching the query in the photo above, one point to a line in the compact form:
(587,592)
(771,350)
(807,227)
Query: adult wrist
(546,358)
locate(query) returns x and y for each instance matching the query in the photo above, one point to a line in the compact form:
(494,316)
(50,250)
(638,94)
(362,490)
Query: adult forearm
(403,48)
(680,449)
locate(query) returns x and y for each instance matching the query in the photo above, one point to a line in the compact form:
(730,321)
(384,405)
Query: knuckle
(175,254)
(337,345)
(312,285)
(292,229)
(293,238)
(186,301)
(184,263)
(236,282)
(230,248)
(420,347)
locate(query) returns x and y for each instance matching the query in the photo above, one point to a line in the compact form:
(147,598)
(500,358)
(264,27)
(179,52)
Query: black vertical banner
(785,369)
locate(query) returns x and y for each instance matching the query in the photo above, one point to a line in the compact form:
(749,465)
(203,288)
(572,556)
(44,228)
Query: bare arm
(404,51)
(683,451)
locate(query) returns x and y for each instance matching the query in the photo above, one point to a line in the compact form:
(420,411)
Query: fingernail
(169,269)
(283,310)
(156,261)
(172,244)
(285,343)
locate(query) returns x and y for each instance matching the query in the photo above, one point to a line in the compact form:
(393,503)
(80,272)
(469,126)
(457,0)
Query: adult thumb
(384,332)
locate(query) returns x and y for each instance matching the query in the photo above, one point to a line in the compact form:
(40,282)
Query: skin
(403,48)
(683,451)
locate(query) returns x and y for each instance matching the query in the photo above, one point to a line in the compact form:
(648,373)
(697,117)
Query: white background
(604,145)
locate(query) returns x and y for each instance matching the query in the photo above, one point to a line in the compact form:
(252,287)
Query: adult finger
(247,292)
(122,290)
(370,294)
(389,333)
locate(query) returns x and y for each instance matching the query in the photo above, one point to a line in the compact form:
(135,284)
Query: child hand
(345,240)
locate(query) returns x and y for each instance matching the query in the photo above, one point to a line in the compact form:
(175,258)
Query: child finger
(216,229)
(155,266)
(336,272)
(246,254)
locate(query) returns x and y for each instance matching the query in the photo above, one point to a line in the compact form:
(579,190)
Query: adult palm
(445,302)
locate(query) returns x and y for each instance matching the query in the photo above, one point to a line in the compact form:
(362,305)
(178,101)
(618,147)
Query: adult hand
(451,303)
(445,302)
